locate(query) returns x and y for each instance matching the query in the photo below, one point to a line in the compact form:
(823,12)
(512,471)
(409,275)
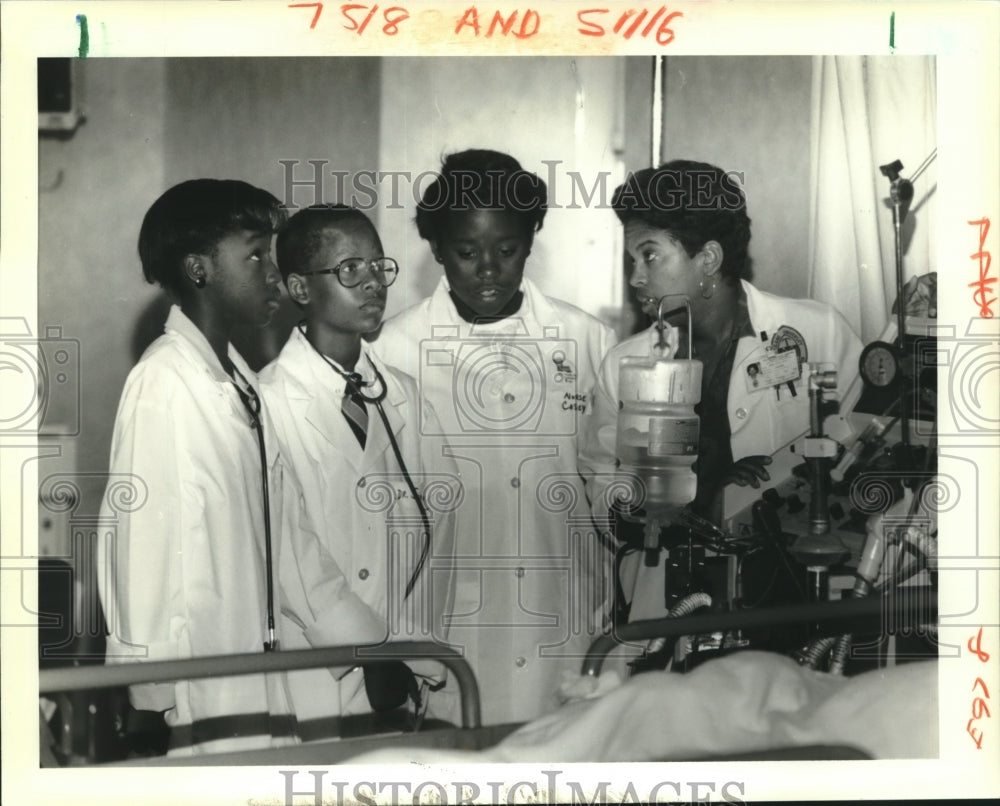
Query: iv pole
(901,194)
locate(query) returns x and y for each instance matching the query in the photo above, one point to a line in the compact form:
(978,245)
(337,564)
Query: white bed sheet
(746,702)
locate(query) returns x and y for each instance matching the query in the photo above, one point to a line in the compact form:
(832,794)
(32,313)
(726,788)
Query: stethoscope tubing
(256,423)
(376,400)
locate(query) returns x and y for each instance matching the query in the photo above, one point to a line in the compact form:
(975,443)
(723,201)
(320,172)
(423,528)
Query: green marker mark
(81,20)
(892,30)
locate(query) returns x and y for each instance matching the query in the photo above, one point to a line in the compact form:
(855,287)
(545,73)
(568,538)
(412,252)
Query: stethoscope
(251,402)
(356,387)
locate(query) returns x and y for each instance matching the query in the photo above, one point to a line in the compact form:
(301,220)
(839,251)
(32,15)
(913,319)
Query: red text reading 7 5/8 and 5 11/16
(519,24)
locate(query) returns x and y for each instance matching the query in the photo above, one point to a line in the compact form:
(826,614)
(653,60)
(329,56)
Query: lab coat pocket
(469,599)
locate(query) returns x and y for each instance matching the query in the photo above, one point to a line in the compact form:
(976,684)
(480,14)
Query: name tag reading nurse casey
(572,401)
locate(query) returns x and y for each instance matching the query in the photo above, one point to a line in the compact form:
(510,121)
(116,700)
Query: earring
(199,282)
(707,292)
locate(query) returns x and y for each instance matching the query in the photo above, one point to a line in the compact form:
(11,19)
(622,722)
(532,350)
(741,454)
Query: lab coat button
(519,572)
(741,413)
(363,573)
(508,398)
(520,662)
(362,482)
(515,482)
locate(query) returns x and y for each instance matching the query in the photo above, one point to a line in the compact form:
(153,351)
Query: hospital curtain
(866,112)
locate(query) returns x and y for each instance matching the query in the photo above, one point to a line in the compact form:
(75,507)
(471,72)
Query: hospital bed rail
(830,617)
(93,677)
(471,734)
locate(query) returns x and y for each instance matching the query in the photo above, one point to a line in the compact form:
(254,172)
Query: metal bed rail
(833,617)
(826,617)
(97,677)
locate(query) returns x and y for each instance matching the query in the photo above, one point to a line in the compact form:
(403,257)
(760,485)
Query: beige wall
(93,190)
(751,114)
(539,109)
(247,118)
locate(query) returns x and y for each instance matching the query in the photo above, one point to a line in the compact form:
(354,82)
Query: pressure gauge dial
(879,364)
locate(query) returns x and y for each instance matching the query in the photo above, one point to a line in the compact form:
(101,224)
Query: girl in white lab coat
(372,488)
(509,372)
(687,232)
(184,560)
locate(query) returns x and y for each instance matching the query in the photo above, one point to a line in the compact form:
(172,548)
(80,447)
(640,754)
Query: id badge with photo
(773,369)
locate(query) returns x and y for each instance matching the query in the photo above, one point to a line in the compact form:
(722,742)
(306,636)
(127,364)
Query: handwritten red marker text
(625,26)
(982,285)
(358,16)
(979,708)
(519,23)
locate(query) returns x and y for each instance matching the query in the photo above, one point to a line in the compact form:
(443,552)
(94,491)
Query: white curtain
(866,112)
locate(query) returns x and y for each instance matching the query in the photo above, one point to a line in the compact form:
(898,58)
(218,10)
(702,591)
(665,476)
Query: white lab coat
(512,396)
(181,565)
(761,422)
(348,585)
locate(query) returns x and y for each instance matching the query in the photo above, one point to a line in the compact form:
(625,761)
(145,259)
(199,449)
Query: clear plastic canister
(658,429)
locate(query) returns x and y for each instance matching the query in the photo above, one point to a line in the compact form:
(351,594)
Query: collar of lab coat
(535,314)
(178,323)
(311,378)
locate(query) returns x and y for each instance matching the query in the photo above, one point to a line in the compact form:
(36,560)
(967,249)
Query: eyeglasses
(351,272)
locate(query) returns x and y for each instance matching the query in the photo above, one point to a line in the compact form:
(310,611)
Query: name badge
(780,363)
(773,369)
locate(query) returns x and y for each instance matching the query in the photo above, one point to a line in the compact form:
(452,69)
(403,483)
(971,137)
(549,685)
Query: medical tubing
(685,607)
(413,491)
(813,652)
(661,325)
(377,401)
(690,603)
(268,558)
(840,652)
(862,587)
(869,567)
(914,506)
(255,423)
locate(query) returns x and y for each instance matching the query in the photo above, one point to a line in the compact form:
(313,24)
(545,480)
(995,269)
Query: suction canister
(657,434)
(658,428)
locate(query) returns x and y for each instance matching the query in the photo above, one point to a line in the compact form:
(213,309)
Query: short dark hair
(300,240)
(192,217)
(694,202)
(482,180)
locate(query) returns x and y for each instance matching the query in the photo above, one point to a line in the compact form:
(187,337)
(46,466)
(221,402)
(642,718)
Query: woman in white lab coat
(509,372)
(349,586)
(687,232)
(183,562)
